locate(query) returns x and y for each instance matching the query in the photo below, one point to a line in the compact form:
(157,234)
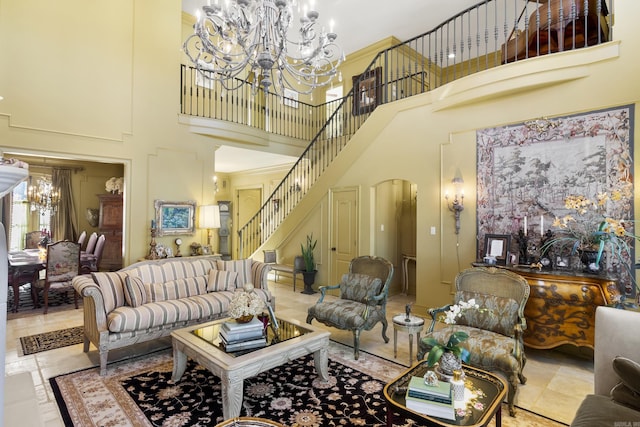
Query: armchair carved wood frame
(363,299)
(495,332)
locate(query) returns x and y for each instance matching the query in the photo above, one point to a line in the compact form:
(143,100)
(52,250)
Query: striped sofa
(149,299)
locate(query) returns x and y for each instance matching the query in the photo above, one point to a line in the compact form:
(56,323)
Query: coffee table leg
(179,363)
(499,416)
(231,396)
(321,362)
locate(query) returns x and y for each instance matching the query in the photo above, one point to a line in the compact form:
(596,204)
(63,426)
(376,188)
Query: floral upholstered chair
(495,331)
(363,299)
(63,264)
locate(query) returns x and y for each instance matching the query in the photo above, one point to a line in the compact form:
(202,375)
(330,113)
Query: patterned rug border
(162,360)
(45,341)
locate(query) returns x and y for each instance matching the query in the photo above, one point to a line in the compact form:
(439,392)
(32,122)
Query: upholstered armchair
(363,299)
(495,331)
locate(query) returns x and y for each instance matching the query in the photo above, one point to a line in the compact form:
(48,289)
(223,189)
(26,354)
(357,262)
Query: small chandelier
(43,196)
(246,41)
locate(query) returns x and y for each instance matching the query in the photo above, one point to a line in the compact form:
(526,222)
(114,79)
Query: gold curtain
(64,224)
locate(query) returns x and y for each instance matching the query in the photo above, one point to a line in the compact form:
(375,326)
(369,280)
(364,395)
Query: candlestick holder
(152,249)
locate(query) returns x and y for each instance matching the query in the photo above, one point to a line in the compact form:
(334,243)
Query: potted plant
(309,272)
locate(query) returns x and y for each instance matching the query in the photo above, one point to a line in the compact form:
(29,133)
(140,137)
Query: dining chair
(63,264)
(32,238)
(91,262)
(91,244)
(82,238)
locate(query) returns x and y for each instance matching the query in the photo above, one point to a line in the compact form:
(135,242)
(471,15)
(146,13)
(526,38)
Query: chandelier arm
(249,38)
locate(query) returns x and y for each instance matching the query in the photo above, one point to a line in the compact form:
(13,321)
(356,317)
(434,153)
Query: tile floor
(557,379)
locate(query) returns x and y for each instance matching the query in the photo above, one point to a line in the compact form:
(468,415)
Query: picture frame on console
(497,246)
(173,218)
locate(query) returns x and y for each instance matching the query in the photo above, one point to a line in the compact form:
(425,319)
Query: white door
(344,231)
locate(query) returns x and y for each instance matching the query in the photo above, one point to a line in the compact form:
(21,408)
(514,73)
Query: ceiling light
(247,41)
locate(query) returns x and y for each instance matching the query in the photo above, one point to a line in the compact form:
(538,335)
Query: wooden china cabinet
(111,226)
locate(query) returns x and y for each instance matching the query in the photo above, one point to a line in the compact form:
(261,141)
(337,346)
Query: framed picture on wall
(367,91)
(175,217)
(497,246)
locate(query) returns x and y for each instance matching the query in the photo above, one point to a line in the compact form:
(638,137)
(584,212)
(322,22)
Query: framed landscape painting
(175,217)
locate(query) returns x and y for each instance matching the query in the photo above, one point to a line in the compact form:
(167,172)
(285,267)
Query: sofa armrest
(614,336)
(93,302)
(259,273)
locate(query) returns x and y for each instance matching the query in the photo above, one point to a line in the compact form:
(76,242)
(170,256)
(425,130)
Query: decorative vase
(588,259)
(244,319)
(448,363)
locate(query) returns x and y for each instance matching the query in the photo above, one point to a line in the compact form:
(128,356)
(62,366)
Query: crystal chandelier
(43,196)
(246,42)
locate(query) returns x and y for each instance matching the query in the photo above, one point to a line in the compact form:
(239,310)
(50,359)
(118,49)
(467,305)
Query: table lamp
(209,218)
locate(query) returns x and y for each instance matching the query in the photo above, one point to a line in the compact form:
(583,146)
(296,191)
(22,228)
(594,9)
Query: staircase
(474,40)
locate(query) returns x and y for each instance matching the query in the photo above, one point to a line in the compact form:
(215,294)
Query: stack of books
(435,401)
(236,336)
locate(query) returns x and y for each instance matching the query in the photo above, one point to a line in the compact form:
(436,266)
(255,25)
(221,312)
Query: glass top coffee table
(483,398)
(201,343)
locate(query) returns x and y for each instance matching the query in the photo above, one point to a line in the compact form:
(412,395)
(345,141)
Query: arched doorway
(395,230)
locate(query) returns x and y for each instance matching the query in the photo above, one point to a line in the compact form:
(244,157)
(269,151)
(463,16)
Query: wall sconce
(457,205)
(276,204)
(296,187)
(215,183)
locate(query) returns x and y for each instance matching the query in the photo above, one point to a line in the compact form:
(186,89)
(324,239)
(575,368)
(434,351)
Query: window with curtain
(23,218)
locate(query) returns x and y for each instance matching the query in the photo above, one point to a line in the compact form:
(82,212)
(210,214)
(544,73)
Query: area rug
(58,301)
(140,393)
(50,340)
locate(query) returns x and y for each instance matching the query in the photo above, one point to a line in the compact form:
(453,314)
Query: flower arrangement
(456,337)
(114,185)
(588,228)
(245,303)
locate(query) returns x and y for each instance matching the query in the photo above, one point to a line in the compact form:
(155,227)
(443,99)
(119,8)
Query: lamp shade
(209,216)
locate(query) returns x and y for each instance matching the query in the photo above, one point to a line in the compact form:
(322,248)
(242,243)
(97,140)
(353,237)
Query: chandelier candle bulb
(541,225)
(525,225)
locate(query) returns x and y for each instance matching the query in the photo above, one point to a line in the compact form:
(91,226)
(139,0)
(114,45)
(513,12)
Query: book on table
(233,326)
(431,408)
(243,335)
(441,392)
(243,345)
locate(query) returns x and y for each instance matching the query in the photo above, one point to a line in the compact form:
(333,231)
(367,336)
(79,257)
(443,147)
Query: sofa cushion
(488,350)
(242,267)
(134,291)
(628,371)
(180,269)
(359,287)
(153,314)
(150,273)
(112,287)
(176,289)
(601,411)
(497,314)
(221,280)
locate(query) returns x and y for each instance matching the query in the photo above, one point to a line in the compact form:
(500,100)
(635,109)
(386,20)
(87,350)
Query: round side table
(413,325)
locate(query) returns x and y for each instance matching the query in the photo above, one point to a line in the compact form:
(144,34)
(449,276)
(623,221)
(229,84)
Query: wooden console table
(562,306)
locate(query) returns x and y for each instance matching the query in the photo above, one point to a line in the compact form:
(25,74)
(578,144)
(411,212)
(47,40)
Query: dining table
(24,267)
(28,265)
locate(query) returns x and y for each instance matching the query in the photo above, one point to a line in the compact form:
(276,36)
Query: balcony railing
(486,35)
